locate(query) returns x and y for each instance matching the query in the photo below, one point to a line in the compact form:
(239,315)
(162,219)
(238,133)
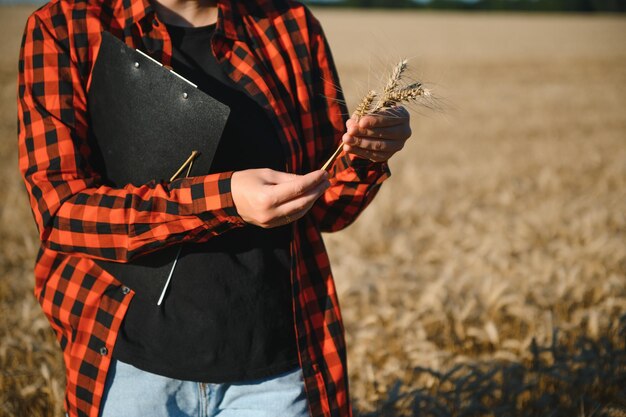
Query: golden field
(488,278)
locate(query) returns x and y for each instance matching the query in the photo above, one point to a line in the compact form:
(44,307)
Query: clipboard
(144,122)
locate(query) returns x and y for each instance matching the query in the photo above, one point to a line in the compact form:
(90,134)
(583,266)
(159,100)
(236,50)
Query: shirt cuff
(212,198)
(364,166)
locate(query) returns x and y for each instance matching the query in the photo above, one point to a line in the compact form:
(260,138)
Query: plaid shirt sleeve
(74,211)
(354,180)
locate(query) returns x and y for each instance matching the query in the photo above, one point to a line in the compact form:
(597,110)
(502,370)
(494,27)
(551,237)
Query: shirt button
(104,351)
(125,290)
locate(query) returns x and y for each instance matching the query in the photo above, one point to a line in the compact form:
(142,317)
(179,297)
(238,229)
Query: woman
(261,334)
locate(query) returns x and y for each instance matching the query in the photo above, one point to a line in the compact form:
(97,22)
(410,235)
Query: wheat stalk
(187,164)
(392,95)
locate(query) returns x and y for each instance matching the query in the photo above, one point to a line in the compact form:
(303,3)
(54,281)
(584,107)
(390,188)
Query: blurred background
(528,5)
(488,277)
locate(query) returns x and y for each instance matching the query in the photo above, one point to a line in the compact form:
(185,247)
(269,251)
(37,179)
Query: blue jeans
(131,392)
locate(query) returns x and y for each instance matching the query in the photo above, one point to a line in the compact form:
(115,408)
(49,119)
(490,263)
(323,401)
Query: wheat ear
(396,76)
(392,95)
(392,84)
(366,104)
(409,93)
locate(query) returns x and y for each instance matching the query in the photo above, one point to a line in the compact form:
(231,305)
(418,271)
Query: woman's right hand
(269,198)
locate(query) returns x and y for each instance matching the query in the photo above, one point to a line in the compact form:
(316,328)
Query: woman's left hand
(377,137)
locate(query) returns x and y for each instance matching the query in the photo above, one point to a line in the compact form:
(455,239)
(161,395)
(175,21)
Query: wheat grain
(366,103)
(405,95)
(396,76)
(393,94)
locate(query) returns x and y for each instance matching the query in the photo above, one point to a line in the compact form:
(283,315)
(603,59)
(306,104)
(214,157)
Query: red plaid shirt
(278,52)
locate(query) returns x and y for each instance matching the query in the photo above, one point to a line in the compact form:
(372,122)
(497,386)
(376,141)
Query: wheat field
(488,278)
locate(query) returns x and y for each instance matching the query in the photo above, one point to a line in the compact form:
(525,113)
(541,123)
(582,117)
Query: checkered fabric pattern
(278,52)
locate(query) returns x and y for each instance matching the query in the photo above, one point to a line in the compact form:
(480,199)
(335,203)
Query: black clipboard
(145,121)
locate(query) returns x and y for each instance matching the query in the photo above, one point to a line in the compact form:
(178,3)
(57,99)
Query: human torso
(227,315)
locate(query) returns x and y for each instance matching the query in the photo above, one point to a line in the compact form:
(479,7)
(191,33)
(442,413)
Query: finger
(297,186)
(352,121)
(294,208)
(391,117)
(274,177)
(395,112)
(378,145)
(287,219)
(367,154)
(277,177)
(297,215)
(396,132)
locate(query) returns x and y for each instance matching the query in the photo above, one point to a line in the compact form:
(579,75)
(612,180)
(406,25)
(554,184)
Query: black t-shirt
(236,323)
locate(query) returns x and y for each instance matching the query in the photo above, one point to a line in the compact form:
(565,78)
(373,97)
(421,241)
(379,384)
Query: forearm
(77,216)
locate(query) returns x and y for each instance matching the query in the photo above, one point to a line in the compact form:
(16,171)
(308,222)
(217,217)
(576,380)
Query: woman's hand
(269,198)
(377,137)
